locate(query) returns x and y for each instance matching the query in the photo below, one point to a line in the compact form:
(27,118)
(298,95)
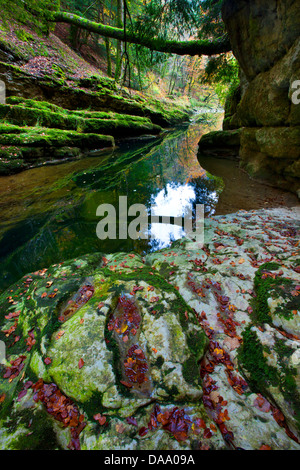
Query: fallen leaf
(101,419)
(131,420)
(80,363)
(120,428)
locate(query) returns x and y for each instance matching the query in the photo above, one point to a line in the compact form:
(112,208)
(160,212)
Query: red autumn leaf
(200,422)
(265,447)
(131,420)
(47,360)
(127,384)
(80,363)
(21,394)
(261,403)
(207,433)
(139,352)
(278,416)
(12,315)
(143,431)
(101,419)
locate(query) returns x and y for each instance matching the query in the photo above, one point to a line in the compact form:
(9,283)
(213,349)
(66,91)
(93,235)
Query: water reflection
(48,214)
(175,200)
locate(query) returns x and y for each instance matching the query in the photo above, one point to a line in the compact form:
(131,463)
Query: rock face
(265,40)
(192,347)
(261,31)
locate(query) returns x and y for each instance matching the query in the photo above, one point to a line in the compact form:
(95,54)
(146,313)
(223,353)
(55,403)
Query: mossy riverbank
(34,132)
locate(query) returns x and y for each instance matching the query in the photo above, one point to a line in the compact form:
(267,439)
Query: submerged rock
(189,348)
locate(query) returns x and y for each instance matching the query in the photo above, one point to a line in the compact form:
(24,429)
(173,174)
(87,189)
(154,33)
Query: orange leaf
(120,428)
(127,384)
(80,363)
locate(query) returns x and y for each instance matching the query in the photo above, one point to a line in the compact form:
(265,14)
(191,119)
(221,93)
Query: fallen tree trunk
(194,47)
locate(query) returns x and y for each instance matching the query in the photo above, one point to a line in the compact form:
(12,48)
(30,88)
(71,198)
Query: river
(48,214)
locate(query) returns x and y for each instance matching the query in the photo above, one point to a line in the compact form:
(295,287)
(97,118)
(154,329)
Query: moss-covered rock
(70,96)
(47,137)
(109,352)
(26,147)
(37,113)
(113,339)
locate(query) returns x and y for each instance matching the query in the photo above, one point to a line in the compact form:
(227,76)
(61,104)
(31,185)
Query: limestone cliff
(265,39)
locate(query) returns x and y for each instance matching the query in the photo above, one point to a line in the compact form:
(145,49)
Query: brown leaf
(120,428)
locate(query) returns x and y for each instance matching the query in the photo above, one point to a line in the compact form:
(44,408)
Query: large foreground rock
(188,348)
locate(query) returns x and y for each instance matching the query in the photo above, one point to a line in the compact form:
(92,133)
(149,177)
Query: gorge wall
(265,39)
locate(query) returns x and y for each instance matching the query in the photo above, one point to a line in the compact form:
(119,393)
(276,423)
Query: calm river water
(48,214)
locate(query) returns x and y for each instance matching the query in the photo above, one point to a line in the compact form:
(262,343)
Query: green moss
(21,111)
(159,362)
(190,371)
(156,280)
(262,375)
(251,357)
(264,286)
(40,136)
(39,436)
(195,344)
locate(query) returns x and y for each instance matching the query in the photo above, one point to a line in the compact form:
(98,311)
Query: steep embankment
(189,348)
(262,121)
(60,105)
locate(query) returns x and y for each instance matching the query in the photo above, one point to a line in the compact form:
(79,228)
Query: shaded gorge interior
(48,214)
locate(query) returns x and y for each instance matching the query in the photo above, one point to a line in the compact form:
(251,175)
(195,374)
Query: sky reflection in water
(174,200)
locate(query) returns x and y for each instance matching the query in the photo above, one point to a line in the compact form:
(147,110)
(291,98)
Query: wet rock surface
(188,348)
